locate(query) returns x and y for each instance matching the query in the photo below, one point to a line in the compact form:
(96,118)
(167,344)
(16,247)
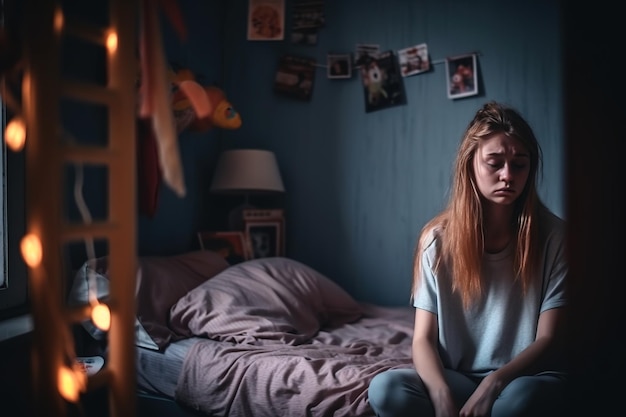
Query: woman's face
(501,168)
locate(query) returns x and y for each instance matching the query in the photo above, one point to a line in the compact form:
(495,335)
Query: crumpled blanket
(327,376)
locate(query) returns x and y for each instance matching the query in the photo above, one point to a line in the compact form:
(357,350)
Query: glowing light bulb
(58,20)
(69,383)
(112,42)
(32,252)
(101,317)
(15,134)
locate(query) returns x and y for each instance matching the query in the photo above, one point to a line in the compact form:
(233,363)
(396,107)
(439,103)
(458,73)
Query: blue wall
(361,185)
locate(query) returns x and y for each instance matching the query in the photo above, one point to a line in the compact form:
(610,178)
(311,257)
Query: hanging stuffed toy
(193,107)
(200,108)
(223,114)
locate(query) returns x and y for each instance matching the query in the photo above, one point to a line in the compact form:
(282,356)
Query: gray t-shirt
(504,322)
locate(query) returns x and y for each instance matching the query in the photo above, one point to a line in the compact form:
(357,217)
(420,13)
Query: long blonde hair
(460,224)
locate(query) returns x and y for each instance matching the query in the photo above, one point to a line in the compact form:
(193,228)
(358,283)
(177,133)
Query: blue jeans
(401,393)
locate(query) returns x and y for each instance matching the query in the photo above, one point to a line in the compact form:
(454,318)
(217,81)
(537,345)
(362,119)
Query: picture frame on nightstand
(265,231)
(264,238)
(232,245)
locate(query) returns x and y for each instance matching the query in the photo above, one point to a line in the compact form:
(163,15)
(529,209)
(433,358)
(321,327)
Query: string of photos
(381,72)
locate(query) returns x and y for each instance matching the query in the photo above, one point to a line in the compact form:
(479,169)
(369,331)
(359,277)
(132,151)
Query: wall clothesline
(432,62)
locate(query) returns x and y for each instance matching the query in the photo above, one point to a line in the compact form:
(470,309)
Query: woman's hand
(480,402)
(535,358)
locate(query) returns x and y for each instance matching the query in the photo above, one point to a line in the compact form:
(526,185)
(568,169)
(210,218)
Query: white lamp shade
(247,171)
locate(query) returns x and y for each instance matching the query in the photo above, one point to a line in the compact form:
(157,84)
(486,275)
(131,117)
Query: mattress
(158,371)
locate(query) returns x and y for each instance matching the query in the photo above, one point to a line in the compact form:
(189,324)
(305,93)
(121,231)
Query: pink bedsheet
(328,375)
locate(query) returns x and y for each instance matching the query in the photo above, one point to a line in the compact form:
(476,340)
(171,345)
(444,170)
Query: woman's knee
(532,396)
(394,392)
(381,387)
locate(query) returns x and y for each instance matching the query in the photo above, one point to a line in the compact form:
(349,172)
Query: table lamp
(246,171)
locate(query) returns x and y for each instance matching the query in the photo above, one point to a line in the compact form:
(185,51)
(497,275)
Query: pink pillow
(264,301)
(163,280)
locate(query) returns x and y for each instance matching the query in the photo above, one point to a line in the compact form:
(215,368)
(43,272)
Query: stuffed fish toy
(200,108)
(223,115)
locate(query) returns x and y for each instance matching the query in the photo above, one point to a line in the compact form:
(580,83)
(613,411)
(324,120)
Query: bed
(265,337)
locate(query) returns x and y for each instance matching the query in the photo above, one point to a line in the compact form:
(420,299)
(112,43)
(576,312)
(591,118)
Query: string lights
(71,380)
(32,251)
(15,134)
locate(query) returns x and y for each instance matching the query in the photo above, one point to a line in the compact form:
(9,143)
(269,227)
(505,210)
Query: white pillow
(161,281)
(79,296)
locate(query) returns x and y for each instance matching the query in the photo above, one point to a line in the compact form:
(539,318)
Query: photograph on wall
(266,20)
(264,238)
(462,80)
(414,60)
(307,18)
(233,246)
(339,65)
(295,77)
(365,52)
(382,82)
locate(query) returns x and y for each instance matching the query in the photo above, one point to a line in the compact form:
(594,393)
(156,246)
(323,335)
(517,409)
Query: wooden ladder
(46,157)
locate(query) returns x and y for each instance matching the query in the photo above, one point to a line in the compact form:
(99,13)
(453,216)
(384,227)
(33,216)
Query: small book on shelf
(263,214)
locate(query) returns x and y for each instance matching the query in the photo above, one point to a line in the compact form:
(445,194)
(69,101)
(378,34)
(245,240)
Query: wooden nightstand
(263,236)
